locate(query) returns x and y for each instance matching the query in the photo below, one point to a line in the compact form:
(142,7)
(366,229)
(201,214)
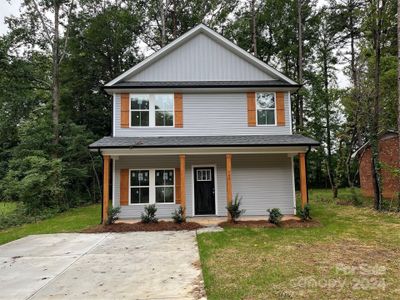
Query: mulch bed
(127,227)
(265,224)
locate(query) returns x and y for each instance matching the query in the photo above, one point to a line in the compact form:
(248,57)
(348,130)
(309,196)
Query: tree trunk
(300,122)
(175,29)
(162,15)
(56,75)
(398,90)
(328,128)
(253,28)
(375,166)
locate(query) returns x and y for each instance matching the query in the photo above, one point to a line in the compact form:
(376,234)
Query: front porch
(265,179)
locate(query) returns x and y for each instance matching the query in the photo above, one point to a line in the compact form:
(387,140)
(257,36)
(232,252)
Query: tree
(300,121)
(253,27)
(327,60)
(45,32)
(110,53)
(398,82)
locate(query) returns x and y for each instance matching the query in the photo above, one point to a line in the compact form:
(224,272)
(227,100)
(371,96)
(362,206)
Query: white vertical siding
(208,114)
(201,58)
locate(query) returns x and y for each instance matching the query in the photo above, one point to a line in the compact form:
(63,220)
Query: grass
(355,254)
(7,207)
(73,220)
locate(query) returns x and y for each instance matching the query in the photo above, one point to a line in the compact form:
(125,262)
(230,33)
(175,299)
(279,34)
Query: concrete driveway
(135,265)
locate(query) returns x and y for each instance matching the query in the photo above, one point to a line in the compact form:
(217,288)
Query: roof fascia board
(190,34)
(204,90)
(202,151)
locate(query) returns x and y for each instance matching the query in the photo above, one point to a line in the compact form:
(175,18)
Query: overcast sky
(12,8)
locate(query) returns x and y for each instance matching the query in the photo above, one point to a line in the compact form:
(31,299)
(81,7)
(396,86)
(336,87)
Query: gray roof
(204,141)
(200,84)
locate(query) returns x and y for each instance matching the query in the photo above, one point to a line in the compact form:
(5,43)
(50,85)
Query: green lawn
(355,254)
(73,220)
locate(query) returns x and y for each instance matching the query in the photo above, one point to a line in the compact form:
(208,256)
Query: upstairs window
(265,104)
(154,110)
(140,110)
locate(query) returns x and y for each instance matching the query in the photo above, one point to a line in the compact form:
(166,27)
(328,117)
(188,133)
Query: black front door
(204,191)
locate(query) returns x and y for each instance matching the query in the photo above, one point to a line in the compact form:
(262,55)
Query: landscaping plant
(112,215)
(275,216)
(149,215)
(179,215)
(234,209)
(305,213)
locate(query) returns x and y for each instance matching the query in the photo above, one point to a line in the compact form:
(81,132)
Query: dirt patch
(160,226)
(265,224)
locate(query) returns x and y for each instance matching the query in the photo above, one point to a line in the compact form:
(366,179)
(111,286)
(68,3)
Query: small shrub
(305,214)
(112,215)
(149,215)
(275,216)
(179,215)
(234,209)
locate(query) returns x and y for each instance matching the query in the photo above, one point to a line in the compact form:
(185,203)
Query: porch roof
(204,141)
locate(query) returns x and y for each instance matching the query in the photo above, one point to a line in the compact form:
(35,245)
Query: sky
(11,7)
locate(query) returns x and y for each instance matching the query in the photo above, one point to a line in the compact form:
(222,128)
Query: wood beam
(182,166)
(228,180)
(303,179)
(106,177)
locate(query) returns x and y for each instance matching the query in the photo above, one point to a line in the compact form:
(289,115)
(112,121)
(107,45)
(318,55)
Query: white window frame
(152,111)
(152,186)
(265,125)
(134,186)
(156,186)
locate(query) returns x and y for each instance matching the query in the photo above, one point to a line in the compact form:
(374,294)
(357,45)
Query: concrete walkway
(135,265)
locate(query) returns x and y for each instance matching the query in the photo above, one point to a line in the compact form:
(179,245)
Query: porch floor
(213,221)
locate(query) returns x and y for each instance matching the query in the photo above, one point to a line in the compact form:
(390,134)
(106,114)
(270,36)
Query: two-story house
(197,123)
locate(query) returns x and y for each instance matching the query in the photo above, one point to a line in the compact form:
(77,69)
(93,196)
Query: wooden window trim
(251,109)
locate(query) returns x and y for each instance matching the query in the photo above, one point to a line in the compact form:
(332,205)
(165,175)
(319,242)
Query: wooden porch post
(228,180)
(182,163)
(303,179)
(106,176)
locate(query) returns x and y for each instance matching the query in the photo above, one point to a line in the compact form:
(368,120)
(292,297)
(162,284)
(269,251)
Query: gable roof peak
(201,28)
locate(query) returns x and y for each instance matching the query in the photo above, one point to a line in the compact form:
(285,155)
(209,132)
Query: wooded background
(58,54)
